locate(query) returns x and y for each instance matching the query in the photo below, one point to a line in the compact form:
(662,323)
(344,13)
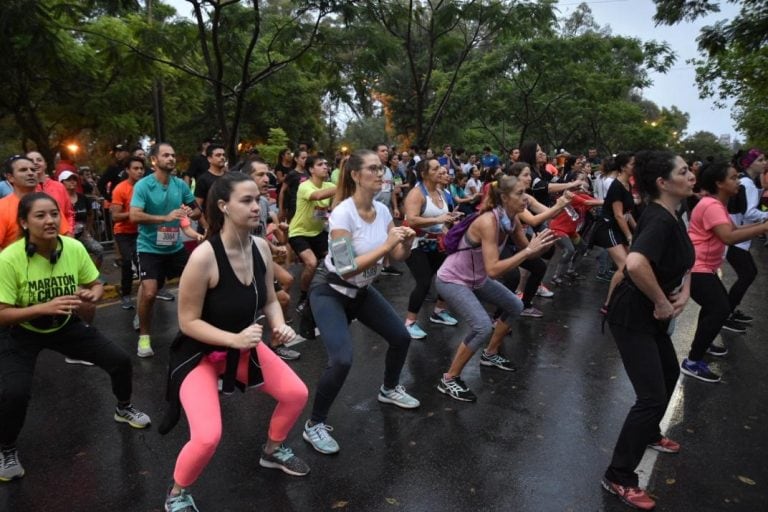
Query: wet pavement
(538,439)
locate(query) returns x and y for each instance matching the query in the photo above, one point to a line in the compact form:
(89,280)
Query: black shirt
(204,183)
(616,192)
(198,164)
(292,180)
(112,176)
(663,240)
(82,207)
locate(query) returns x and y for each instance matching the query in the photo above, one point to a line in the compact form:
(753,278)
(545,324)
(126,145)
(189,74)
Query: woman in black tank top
(223,300)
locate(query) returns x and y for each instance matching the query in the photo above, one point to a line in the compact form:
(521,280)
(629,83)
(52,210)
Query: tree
(702,145)
(735,55)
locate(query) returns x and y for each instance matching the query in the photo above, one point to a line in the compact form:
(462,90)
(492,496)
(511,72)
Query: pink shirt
(710,250)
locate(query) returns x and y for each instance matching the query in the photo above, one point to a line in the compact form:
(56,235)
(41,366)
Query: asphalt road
(537,440)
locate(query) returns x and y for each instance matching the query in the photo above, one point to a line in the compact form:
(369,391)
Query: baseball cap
(65,175)
(119,147)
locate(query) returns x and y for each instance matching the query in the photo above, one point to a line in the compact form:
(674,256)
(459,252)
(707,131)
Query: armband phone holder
(343,255)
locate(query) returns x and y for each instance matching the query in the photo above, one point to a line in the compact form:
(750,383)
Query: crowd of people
(480,230)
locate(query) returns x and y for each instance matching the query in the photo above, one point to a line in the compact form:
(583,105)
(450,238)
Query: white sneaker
(398,397)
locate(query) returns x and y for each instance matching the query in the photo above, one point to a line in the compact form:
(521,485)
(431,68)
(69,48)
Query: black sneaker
(10,467)
(390,271)
(456,389)
(496,361)
(284,459)
(739,316)
(734,326)
(717,350)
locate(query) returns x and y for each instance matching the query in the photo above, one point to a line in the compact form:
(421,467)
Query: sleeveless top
(426,237)
(230,306)
(466,266)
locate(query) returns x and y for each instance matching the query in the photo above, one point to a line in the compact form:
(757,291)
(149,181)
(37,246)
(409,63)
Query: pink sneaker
(665,445)
(632,496)
(531,312)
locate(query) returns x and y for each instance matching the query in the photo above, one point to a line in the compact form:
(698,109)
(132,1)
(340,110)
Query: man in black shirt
(114,173)
(217,161)
(198,164)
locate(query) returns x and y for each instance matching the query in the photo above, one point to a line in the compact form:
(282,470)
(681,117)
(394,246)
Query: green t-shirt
(335,176)
(28,281)
(157,199)
(311,216)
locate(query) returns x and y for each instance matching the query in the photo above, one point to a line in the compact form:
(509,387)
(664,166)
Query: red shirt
(563,224)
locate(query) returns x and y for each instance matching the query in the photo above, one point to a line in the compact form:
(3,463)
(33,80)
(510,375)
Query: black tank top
(231,305)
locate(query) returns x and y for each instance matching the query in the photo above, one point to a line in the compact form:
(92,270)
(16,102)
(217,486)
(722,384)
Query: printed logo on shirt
(46,289)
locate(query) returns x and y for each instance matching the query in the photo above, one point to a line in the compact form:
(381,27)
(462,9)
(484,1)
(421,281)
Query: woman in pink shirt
(711,230)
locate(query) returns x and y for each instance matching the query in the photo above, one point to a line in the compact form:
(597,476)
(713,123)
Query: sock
(439,310)
(409,322)
(144,337)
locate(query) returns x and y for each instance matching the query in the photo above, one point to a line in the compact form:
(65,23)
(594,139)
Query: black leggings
(19,348)
(651,365)
(423,266)
(745,268)
(127,245)
(709,293)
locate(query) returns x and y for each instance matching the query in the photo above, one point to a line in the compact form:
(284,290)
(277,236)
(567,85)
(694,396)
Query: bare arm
(119,213)
(138,216)
(730,234)
(319,195)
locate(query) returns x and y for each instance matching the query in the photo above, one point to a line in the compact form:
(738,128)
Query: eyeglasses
(375,169)
(13,158)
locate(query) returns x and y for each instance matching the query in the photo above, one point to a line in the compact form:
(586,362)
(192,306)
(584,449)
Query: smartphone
(343,255)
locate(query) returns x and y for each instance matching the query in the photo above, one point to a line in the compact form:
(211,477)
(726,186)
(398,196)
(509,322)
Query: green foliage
(277,140)
(702,145)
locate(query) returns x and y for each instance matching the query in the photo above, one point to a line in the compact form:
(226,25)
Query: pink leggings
(200,398)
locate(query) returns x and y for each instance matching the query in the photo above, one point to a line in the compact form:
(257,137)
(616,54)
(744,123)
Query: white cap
(65,175)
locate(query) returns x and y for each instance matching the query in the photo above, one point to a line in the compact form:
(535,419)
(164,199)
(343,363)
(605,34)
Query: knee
(207,441)
(298,395)
(341,361)
(480,335)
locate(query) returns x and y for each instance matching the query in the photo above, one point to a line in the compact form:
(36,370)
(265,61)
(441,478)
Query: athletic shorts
(159,267)
(318,244)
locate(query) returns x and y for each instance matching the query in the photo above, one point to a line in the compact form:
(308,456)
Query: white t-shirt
(473,183)
(365,237)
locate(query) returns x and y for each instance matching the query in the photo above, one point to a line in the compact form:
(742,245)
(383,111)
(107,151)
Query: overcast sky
(634,18)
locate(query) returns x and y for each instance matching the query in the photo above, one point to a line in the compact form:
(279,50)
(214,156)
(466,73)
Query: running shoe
(455,388)
(443,317)
(286,353)
(145,347)
(390,271)
(10,467)
(557,281)
(317,435)
(69,360)
(665,445)
(284,459)
(698,370)
(496,361)
(739,316)
(398,397)
(126,302)
(545,292)
(574,276)
(531,312)
(132,416)
(604,276)
(182,502)
(416,332)
(717,350)
(632,496)
(734,326)
(164,296)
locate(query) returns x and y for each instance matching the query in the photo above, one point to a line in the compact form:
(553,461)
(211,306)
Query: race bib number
(321,213)
(167,236)
(386,186)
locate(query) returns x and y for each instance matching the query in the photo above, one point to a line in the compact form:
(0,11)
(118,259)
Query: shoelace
(320,430)
(10,458)
(282,453)
(181,502)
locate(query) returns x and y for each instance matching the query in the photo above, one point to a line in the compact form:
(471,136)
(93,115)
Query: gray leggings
(570,256)
(467,303)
